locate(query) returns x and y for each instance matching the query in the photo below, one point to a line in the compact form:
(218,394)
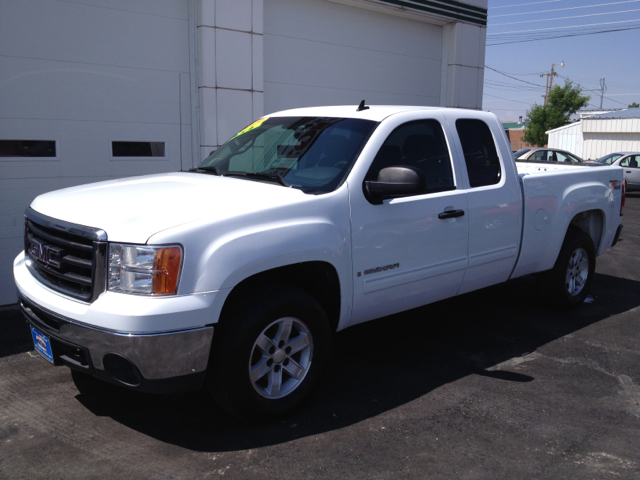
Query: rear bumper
(165,362)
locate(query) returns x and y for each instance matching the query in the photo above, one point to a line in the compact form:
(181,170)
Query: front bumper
(166,362)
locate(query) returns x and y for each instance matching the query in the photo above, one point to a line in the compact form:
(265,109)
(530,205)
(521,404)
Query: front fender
(241,254)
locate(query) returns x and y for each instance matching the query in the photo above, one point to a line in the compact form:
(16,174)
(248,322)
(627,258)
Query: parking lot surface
(492,384)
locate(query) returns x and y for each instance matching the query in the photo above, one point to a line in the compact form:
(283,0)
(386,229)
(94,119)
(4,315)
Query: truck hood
(133,209)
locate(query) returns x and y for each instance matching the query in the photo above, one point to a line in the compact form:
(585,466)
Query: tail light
(624,194)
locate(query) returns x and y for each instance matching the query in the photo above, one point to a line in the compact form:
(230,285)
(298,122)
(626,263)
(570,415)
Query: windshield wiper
(209,168)
(272,177)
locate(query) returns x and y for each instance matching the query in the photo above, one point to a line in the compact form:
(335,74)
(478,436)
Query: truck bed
(557,194)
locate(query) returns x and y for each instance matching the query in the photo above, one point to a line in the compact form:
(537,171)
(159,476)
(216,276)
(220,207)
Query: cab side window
(480,154)
(566,158)
(422,145)
(543,156)
(631,161)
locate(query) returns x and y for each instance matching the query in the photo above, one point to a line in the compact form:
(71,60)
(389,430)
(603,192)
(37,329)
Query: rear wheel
(268,354)
(569,282)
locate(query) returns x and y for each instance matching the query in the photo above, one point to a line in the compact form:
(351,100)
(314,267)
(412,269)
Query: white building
(598,135)
(97,89)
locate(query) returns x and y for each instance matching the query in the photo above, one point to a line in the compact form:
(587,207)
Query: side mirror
(394,182)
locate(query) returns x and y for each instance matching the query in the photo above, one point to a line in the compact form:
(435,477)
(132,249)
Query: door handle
(628,171)
(450,214)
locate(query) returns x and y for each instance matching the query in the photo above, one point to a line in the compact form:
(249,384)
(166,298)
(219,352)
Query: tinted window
(480,154)
(27,148)
(519,153)
(137,149)
(419,144)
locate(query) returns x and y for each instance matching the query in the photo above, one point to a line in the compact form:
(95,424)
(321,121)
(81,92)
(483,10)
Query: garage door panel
(330,23)
(99,93)
(26,189)
(84,148)
(86,73)
(142,167)
(24,169)
(73,32)
(283,96)
(324,53)
(162,8)
(346,67)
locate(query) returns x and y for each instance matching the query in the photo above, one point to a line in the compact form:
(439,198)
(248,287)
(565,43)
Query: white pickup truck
(236,274)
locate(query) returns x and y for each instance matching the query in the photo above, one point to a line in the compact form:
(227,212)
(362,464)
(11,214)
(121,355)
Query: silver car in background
(630,161)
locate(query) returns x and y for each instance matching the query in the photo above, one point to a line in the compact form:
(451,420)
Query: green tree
(562,102)
(634,105)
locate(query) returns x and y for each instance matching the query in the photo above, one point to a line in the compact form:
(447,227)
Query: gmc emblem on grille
(43,253)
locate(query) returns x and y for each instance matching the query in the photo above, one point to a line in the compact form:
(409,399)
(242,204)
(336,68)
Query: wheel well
(319,279)
(590,222)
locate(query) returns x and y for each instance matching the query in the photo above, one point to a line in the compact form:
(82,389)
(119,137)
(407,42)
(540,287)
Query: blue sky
(587,58)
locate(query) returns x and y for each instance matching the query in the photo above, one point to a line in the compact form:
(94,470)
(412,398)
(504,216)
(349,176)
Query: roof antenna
(362,107)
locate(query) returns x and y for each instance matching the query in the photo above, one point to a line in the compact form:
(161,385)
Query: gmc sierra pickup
(237,273)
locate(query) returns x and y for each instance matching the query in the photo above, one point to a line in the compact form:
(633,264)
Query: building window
(137,149)
(27,148)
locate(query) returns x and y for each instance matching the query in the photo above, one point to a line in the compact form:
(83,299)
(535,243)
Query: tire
(268,353)
(569,282)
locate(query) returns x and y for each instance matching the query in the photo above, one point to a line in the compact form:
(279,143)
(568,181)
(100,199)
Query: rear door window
(480,153)
(566,158)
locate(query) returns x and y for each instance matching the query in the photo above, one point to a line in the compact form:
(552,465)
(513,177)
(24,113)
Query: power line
(523,4)
(519,32)
(579,34)
(611,99)
(514,78)
(513,86)
(564,18)
(519,74)
(561,9)
(510,100)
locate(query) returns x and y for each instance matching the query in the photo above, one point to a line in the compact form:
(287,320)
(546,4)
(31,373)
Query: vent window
(137,149)
(27,148)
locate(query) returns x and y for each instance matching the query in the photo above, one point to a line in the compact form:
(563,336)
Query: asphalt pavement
(492,384)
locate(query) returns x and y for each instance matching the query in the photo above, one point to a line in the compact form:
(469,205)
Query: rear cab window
(480,153)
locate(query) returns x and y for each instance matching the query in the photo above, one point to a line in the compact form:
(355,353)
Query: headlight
(144,270)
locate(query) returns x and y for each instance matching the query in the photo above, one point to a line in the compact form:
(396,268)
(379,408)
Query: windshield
(609,159)
(313,154)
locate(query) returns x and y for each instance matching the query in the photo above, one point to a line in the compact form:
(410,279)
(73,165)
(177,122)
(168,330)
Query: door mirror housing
(394,182)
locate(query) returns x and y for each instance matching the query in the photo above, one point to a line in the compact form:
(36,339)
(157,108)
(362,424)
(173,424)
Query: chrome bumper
(155,362)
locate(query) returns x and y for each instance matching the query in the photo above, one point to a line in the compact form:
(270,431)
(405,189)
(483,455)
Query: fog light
(122,369)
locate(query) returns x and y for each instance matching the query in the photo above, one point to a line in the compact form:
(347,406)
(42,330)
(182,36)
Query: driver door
(407,251)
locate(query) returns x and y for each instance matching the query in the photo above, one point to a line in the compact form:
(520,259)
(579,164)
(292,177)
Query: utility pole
(550,80)
(603,88)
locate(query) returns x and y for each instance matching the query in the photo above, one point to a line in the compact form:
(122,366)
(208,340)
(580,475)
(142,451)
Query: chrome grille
(66,257)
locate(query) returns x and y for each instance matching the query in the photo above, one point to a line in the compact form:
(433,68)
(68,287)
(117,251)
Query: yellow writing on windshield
(253,126)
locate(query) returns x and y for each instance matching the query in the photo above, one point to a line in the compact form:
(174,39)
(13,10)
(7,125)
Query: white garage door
(322,53)
(104,82)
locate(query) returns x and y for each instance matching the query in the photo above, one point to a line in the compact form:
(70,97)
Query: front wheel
(269,353)
(569,282)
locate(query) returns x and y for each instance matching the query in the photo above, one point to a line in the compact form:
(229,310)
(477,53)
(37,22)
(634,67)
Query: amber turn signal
(166,270)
